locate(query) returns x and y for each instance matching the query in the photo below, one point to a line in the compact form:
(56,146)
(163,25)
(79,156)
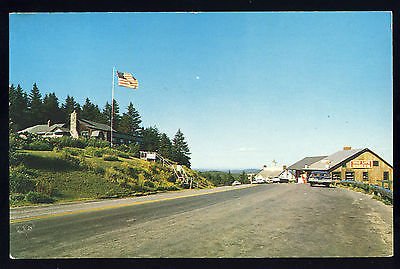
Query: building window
(365,175)
(349,175)
(375,163)
(385,175)
(344,165)
(336,176)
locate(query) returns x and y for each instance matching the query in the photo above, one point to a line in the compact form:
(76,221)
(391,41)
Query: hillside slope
(91,173)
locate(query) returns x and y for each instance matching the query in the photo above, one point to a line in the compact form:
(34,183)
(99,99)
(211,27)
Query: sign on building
(361,164)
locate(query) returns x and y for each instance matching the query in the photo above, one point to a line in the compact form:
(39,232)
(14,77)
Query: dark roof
(42,128)
(95,125)
(105,127)
(305,161)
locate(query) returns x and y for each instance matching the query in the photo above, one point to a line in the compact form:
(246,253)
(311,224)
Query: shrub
(130,171)
(97,143)
(140,181)
(14,141)
(68,141)
(114,175)
(95,152)
(110,158)
(148,183)
(123,148)
(20,182)
(15,158)
(16,197)
(36,198)
(46,187)
(134,149)
(65,155)
(39,145)
(72,151)
(123,155)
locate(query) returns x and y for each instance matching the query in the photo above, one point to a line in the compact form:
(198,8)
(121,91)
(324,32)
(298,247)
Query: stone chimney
(74,125)
(346,148)
(48,123)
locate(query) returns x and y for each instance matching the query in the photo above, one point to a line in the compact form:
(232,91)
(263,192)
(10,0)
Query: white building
(274,174)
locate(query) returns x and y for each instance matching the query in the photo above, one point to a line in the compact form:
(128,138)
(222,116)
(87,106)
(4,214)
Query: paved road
(276,220)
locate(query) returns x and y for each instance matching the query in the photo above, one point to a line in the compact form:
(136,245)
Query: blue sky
(244,88)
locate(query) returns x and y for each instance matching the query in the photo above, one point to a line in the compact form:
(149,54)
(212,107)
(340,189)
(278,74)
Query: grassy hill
(71,174)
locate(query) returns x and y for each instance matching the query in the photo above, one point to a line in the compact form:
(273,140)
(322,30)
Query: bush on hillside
(74,160)
(39,145)
(150,184)
(114,175)
(16,197)
(123,155)
(47,187)
(72,151)
(20,181)
(81,142)
(37,198)
(15,158)
(95,152)
(97,143)
(122,147)
(131,171)
(110,158)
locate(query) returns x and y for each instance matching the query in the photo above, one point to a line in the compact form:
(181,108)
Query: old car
(235,183)
(320,178)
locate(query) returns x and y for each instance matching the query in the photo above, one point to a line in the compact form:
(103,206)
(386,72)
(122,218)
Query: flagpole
(112,106)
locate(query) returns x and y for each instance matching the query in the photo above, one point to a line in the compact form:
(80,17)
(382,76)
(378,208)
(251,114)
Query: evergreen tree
(130,122)
(68,107)
(243,178)
(18,108)
(51,110)
(117,117)
(151,138)
(229,178)
(165,146)
(90,111)
(106,114)
(35,106)
(180,149)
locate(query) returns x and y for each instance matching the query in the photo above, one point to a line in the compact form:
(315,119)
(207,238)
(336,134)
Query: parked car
(269,180)
(283,180)
(235,183)
(320,178)
(275,180)
(258,181)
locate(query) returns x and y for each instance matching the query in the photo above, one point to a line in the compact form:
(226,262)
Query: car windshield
(320,175)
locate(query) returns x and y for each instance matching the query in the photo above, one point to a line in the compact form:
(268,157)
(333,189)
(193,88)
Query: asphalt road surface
(274,220)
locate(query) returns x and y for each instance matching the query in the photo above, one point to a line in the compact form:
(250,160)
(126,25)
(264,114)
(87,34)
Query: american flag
(127,80)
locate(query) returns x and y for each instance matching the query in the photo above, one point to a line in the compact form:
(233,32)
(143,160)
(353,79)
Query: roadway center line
(50,215)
